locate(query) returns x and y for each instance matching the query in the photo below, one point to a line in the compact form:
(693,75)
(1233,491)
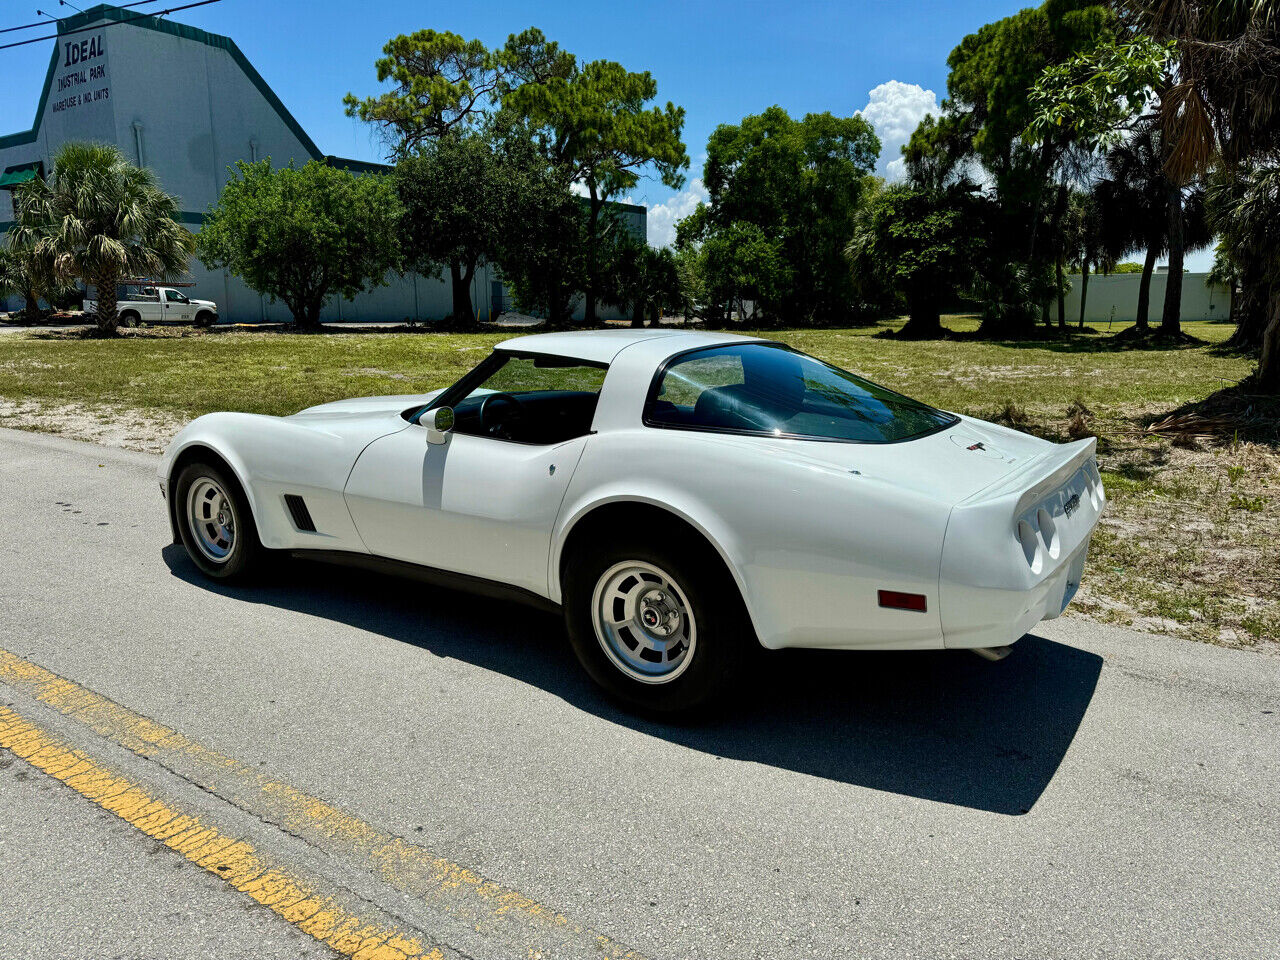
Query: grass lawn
(1189,543)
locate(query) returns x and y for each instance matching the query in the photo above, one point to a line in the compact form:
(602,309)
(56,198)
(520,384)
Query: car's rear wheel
(130,319)
(215,522)
(660,629)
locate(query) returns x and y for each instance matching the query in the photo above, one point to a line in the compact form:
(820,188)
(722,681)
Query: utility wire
(45,23)
(109,23)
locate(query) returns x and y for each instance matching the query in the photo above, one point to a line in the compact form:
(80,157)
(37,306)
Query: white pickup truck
(146,304)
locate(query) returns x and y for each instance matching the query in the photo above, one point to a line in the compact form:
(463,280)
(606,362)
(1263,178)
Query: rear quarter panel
(808,543)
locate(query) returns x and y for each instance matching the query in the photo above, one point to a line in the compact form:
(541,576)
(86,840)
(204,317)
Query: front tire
(662,630)
(216,523)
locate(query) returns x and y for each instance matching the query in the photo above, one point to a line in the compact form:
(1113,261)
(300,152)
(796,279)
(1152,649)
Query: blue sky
(719,60)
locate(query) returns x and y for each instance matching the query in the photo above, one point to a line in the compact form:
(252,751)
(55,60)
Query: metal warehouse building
(188,104)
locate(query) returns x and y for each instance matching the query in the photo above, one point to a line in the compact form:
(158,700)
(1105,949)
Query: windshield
(769,389)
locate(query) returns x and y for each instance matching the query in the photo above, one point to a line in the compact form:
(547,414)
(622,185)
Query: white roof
(601,346)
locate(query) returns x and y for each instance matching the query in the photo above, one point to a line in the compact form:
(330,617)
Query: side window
(173,296)
(532,399)
(685,381)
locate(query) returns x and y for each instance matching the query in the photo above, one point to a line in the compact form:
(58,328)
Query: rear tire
(216,523)
(130,319)
(662,630)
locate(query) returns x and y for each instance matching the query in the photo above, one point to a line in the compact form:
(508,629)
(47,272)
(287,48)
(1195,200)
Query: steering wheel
(490,424)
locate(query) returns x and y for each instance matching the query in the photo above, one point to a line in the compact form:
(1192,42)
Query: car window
(173,296)
(530,399)
(768,389)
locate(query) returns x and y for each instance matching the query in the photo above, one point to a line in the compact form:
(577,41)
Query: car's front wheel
(660,629)
(215,522)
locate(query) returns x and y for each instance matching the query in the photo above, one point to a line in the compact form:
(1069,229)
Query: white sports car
(681,496)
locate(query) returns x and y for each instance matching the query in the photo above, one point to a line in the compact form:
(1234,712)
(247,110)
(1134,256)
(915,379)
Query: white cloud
(663,216)
(895,109)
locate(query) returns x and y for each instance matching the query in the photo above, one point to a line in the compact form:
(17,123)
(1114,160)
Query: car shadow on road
(940,725)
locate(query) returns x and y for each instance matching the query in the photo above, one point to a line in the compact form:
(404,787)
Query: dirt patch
(147,430)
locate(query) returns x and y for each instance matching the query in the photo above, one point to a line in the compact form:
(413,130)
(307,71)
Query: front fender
(272,456)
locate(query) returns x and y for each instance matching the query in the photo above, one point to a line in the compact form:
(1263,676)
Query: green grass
(278,374)
(1188,542)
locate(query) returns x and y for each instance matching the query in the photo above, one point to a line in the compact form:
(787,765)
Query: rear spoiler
(1040,475)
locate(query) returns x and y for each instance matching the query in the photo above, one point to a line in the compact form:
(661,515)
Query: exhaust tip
(993,653)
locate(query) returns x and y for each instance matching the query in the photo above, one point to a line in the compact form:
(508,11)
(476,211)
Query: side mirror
(438,423)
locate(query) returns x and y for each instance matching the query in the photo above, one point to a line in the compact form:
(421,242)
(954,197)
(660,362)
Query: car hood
(361,407)
(948,466)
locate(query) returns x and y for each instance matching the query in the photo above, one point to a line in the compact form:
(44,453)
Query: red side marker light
(903,601)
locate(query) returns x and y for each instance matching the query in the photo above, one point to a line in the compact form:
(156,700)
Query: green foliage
(546,261)
(993,75)
(1095,96)
(1126,267)
(995,70)
(783,194)
(461,201)
(921,243)
(25,274)
(647,280)
(596,124)
(444,83)
(301,235)
(99,219)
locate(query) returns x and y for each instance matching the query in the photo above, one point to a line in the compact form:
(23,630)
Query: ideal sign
(83,51)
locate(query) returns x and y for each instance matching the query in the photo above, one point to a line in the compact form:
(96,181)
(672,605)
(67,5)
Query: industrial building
(189,105)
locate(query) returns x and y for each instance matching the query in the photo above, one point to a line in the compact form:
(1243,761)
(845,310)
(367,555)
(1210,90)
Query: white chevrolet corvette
(681,496)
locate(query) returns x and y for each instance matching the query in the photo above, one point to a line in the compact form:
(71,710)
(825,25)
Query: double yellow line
(506,917)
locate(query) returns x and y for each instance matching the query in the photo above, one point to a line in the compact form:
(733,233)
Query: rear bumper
(1016,558)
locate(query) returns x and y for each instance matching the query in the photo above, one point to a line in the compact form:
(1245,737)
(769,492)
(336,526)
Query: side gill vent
(298,510)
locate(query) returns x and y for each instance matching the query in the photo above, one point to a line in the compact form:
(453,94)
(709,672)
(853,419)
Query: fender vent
(298,510)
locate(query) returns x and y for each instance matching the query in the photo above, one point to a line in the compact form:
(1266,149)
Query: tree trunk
(924,320)
(593,224)
(30,306)
(1171,319)
(1269,367)
(1249,309)
(1140,317)
(460,278)
(108,320)
(1084,288)
(637,314)
(1062,298)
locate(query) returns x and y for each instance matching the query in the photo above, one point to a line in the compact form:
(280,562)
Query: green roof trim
(104,11)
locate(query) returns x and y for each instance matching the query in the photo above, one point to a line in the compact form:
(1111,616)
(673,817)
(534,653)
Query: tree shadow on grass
(942,725)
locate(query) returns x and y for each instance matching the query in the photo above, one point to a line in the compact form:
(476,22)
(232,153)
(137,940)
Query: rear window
(770,390)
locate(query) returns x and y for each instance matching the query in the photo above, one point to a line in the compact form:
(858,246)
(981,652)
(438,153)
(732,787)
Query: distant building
(1114,298)
(187,104)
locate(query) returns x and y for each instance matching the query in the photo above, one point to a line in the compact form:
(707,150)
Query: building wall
(188,105)
(1115,297)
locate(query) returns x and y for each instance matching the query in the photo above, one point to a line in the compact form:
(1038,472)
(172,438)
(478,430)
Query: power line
(45,23)
(109,23)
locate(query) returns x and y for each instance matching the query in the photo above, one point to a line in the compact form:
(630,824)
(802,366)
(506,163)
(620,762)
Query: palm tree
(21,273)
(101,219)
(1083,242)
(1142,209)
(1246,212)
(1223,110)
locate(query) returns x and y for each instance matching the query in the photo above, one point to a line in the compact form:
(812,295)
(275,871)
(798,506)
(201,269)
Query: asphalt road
(1098,793)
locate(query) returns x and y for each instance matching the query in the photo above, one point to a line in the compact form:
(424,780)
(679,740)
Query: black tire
(725,639)
(130,319)
(204,319)
(245,553)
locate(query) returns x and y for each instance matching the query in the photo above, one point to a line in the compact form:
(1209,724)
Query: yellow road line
(487,907)
(234,860)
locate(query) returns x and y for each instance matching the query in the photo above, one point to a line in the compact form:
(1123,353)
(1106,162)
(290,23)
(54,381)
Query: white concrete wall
(1115,298)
